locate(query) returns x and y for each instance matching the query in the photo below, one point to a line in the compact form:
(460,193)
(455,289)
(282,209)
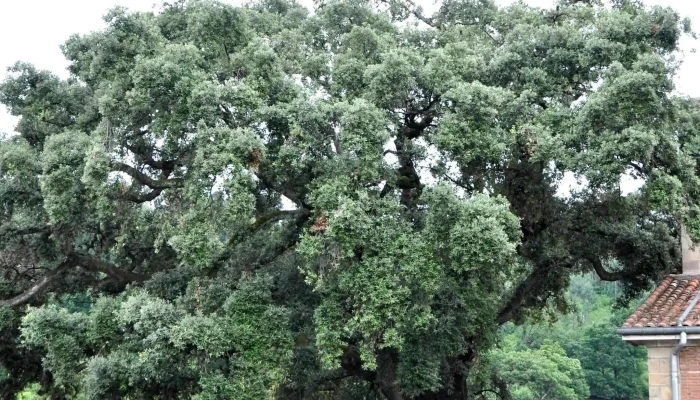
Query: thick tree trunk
(456,389)
(386,375)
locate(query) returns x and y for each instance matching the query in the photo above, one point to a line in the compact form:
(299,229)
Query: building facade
(668,324)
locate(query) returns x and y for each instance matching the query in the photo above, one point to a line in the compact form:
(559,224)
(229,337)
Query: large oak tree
(256,202)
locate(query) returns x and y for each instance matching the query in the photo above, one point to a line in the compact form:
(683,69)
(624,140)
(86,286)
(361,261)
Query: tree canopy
(267,202)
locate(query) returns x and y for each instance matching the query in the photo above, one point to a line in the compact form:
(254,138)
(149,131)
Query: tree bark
(387,361)
(37,288)
(146,180)
(73,260)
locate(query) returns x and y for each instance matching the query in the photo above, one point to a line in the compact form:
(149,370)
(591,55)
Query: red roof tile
(667,304)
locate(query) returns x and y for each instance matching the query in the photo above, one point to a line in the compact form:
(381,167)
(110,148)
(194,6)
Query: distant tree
(545,373)
(614,369)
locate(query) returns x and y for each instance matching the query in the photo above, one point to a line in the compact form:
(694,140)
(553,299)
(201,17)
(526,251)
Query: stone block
(654,392)
(660,352)
(659,393)
(660,379)
(653,365)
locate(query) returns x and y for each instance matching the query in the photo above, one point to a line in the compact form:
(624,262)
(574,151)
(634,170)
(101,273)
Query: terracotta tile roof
(667,303)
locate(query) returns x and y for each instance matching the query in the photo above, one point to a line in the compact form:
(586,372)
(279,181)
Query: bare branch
(95,265)
(38,287)
(415,11)
(602,273)
(519,297)
(147,180)
(285,191)
(148,159)
(85,262)
(7,230)
(140,198)
(638,168)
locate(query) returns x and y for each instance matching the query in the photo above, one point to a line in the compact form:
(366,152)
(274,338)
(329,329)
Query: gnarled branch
(639,168)
(146,180)
(95,265)
(164,165)
(414,10)
(602,273)
(285,191)
(85,262)
(37,288)
(7,230)
(140,198)
(519,297)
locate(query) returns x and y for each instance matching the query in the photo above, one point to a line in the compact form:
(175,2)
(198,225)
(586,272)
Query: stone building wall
(659,363)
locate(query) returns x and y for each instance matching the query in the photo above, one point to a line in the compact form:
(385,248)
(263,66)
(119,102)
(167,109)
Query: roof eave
(670,330)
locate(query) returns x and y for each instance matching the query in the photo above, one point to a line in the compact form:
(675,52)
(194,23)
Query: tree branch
(148,159)
(539,277)
(140,198)
(385,190)
(415,11)
(227,116)
(519,297)
(409,179)
(293,237)
(95,265)
(85,262)
(602,273)
(486,30)
(260,223)
(528,293)
(457,182)
(286,192)
(274,216)
(147,180)
(413,128)
(6,230)
(38,287)
(638,168)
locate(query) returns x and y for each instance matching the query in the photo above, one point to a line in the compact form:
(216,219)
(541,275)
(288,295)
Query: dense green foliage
(263,202)
(570,356)
(543,373)
(30,393)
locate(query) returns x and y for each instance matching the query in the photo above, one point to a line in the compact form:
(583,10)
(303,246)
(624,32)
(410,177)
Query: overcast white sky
(32,31)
